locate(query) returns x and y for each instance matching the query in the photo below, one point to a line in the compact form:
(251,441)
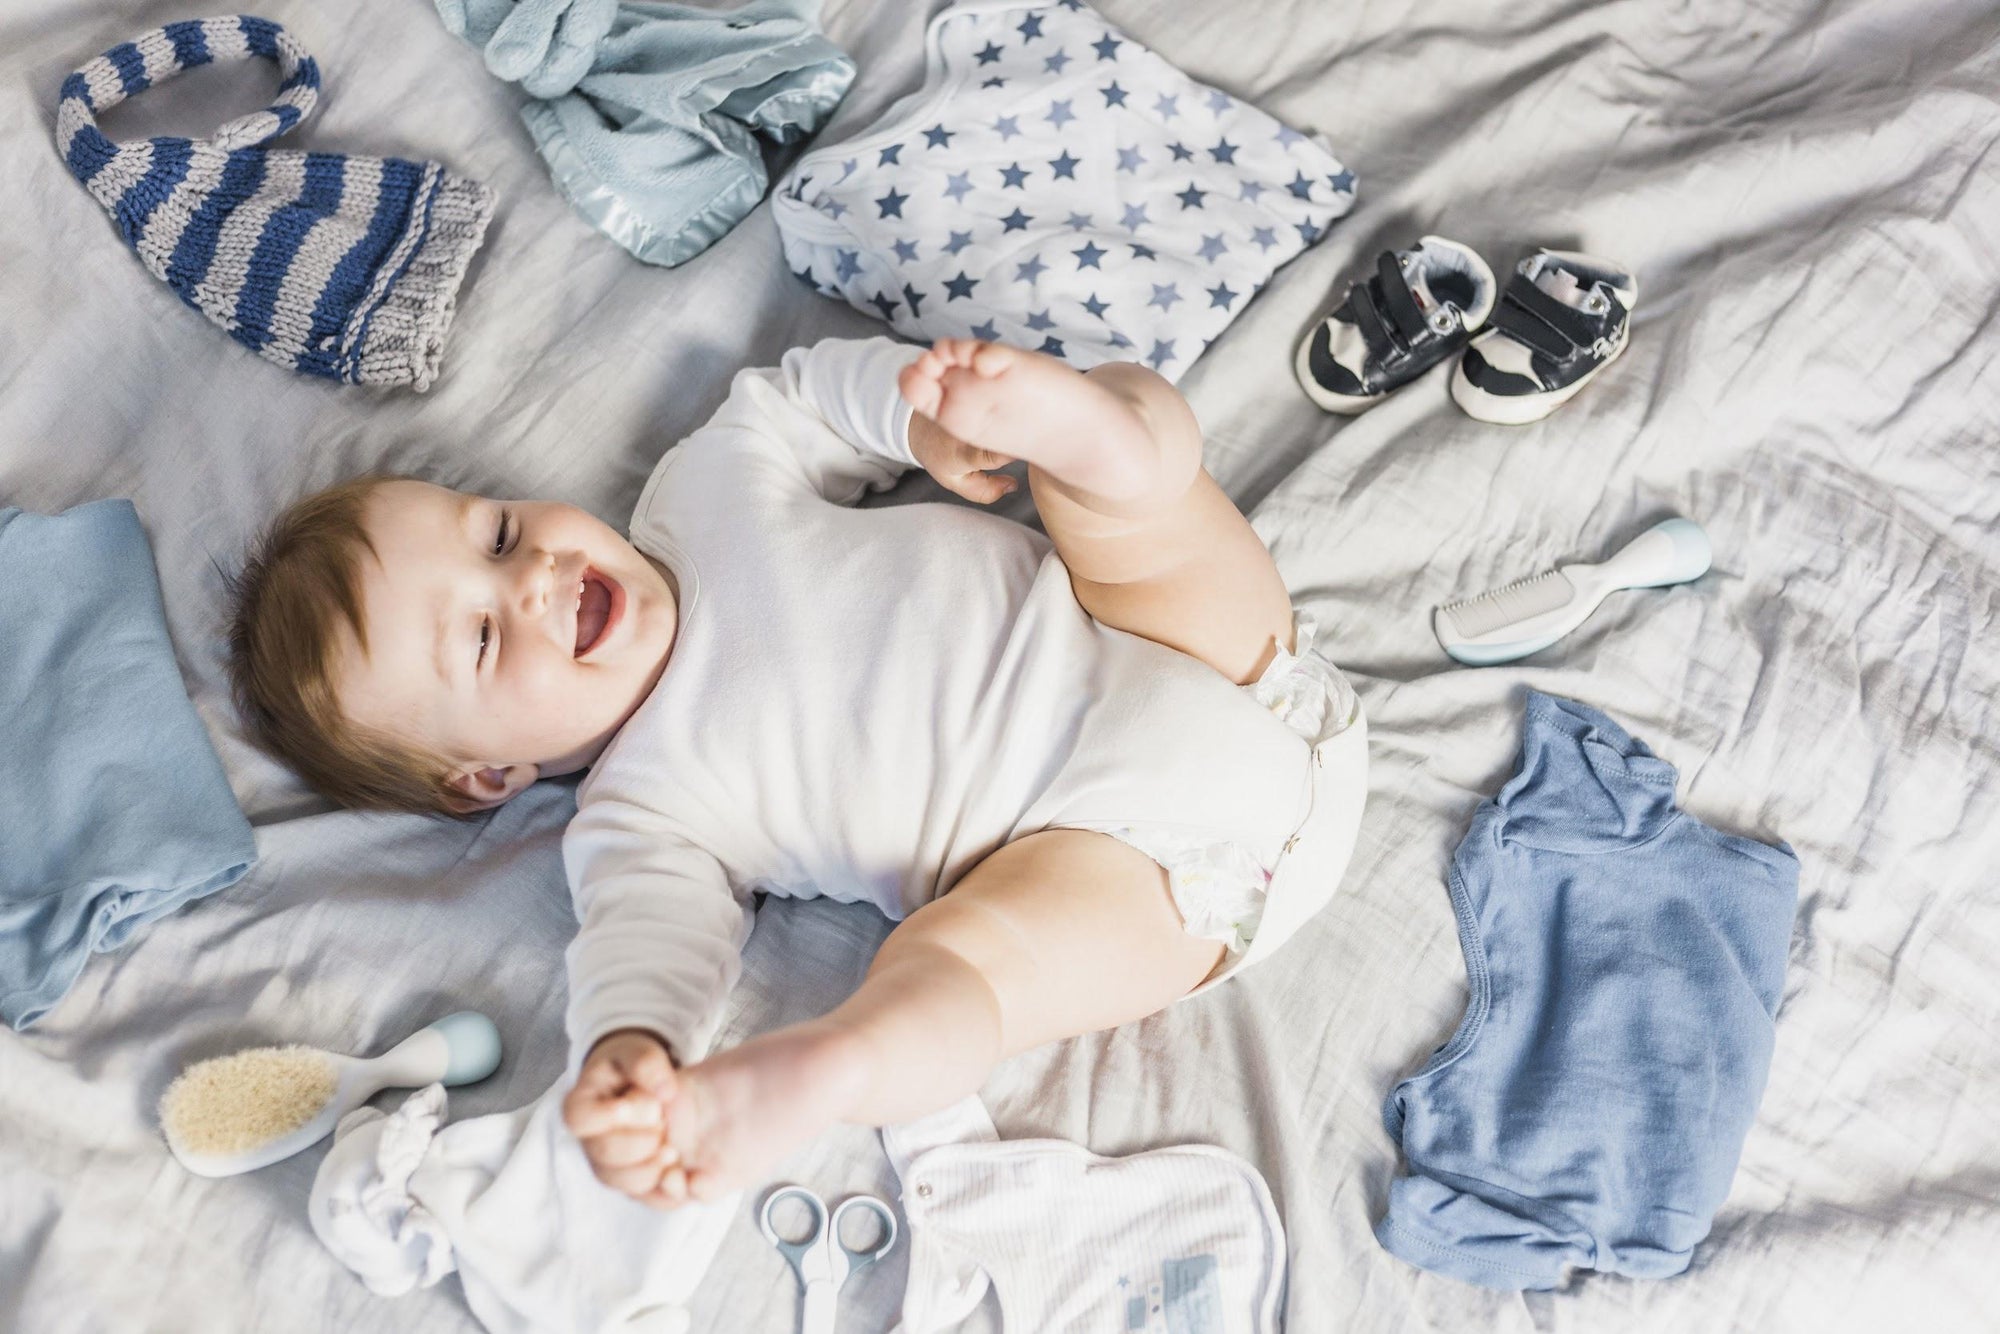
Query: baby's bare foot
(735,1114)
(1025,405)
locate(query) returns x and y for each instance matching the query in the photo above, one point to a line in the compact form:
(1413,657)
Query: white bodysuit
(864,704)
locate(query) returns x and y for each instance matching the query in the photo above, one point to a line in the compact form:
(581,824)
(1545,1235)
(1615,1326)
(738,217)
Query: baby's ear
(490,785)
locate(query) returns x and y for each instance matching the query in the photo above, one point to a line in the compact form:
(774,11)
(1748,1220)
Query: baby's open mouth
(597,600)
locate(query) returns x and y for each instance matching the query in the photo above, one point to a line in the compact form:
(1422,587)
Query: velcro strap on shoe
(1555,330)
(1376,330)
(1410,321)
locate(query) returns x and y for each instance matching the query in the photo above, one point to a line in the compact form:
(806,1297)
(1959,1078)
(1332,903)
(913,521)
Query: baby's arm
(828,420)
(659,947)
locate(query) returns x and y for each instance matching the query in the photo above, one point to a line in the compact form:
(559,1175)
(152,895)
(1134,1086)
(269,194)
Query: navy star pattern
(1287,190)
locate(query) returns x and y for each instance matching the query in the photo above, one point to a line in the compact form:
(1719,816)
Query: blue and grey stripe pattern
(338,266)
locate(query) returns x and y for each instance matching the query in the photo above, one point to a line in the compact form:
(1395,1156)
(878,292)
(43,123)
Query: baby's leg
(1059,933)
(1152,544)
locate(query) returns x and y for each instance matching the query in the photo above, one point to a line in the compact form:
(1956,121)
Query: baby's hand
(618,1112)
(958,467)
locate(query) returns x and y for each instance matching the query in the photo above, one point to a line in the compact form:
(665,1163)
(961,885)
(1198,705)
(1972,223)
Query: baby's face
(513,638)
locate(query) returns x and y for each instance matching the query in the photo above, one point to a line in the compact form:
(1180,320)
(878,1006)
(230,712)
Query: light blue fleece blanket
(113,806)
(649,113)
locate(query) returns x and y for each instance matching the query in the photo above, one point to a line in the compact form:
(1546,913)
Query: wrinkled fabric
(1177,1239)
(510,1204)
(1625,962)
(1809,200)
(1056,185)
(650,114)
(114,808)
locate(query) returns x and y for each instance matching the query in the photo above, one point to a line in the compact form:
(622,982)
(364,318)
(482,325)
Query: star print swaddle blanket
(1056,185)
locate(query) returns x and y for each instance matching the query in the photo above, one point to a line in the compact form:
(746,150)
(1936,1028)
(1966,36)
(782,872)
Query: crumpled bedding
(1810,193)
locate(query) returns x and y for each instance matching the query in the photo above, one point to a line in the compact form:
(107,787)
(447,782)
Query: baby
(1089,773)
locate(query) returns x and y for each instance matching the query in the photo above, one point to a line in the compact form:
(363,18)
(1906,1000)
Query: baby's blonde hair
(300,585)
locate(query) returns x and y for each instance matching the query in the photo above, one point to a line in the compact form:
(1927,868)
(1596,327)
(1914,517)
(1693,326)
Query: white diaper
(1221,888)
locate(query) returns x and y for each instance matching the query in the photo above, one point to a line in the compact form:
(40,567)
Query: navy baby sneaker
(1562,318)
(1420,306)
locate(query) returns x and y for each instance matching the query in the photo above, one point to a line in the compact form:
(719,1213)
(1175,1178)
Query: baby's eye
(485,635)
(500,538)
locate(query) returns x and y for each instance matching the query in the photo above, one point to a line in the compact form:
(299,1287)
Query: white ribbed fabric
(1180,1240)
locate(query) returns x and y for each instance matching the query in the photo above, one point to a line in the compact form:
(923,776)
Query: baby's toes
(956,351)
(990,359)
(920,386)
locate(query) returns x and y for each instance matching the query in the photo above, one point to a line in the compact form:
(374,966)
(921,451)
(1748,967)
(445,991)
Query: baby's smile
(600,605)
(513,637)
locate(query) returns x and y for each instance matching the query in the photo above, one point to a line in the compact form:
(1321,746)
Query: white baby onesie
(1180,1240)
(1057,186)
(864,704)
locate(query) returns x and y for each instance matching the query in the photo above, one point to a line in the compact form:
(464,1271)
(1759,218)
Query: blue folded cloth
(114,809)
(649,112)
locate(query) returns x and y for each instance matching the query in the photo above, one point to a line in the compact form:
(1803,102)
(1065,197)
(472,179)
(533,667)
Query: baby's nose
(538,588)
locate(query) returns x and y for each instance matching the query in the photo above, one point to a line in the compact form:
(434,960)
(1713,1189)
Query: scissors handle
(817,1307)
(810,1256)
(856,1261)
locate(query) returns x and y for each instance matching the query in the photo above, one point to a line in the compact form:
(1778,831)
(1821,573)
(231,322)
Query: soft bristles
(233,1104)
(1487,612)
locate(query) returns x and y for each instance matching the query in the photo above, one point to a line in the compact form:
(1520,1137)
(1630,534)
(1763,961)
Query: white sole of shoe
(1347,405)
(1520,409)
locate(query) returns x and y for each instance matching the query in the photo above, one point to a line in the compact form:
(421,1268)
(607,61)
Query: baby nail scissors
(822,1260)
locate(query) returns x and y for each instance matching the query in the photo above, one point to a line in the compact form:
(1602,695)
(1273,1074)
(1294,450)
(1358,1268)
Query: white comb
(1530,614)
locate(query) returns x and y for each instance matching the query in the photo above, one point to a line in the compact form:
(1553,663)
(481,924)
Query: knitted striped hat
(345,267)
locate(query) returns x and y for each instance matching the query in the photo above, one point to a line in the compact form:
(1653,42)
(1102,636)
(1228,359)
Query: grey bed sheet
(1810,192)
